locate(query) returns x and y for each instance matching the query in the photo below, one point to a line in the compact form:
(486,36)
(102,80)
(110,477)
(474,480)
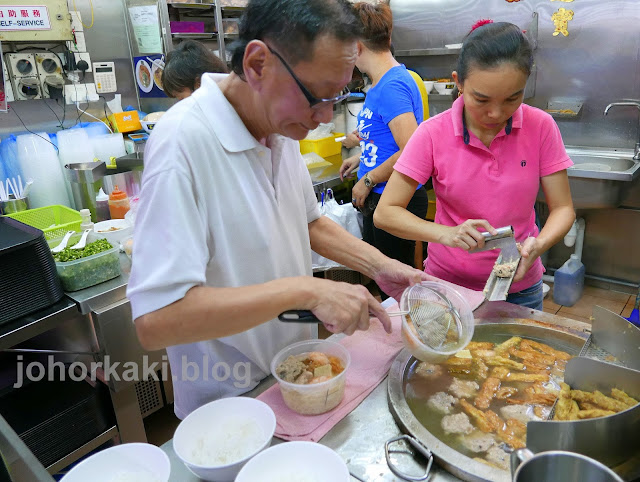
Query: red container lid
(117,194)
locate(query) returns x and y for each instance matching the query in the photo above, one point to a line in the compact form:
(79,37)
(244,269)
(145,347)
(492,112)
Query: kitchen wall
(598,63)
(107,40)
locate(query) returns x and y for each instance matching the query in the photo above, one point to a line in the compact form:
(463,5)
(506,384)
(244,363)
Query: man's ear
(254,62)
(197,83)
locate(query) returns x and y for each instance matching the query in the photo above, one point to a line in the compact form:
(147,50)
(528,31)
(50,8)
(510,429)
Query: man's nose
(323,113)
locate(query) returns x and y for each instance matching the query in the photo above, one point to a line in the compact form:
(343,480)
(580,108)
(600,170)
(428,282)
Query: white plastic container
(568,282)
(314,398)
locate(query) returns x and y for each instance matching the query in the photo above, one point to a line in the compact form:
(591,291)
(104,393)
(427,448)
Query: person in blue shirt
(391,113)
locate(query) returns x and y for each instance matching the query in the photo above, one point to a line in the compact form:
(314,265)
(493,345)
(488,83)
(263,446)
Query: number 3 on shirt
(369,156)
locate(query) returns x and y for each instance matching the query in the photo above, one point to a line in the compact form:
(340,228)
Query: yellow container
(337,159)
(325,147)
(125,121)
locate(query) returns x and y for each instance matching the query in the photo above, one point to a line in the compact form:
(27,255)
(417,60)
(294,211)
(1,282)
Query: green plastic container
(54,221)
(85,272)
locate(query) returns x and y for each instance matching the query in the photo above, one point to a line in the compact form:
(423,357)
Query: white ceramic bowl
(215,432)
(424,292)
(314,398)
(134,462)
(148,125)
(296,462)
(123,230)
(428,84)
(444,88)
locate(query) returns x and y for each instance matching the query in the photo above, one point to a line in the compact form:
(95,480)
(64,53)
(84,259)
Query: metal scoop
(501,277)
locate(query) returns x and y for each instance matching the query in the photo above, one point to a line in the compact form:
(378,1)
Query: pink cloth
(372,353)
(472,181)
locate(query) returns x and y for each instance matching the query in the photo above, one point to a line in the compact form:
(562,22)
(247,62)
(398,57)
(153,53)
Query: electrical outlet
(80,93)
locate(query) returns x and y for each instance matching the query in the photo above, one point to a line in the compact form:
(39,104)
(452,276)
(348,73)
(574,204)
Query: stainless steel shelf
(194,36)
(423,52)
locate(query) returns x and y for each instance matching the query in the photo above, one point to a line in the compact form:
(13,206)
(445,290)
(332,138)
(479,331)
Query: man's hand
(466,235)
(345,308)
(394,277)
(359,194)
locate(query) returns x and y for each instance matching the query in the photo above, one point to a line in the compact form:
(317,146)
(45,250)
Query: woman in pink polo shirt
(487,157)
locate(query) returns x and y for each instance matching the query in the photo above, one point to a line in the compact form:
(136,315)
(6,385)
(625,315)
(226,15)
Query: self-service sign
(24,17)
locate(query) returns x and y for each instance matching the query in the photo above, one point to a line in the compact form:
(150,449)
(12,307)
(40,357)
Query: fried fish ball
(504,362)
(504,347)
(486,393)
(477,415)
(582,414)
(622,396)
(546,349)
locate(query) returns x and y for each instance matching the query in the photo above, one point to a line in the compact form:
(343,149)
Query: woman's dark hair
(493,44)
(377,23)
(185,65)
(292,26)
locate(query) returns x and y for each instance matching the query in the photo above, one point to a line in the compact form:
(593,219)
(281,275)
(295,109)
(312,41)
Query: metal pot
(558,465)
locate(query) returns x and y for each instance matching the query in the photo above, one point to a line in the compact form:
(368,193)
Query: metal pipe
(629,103)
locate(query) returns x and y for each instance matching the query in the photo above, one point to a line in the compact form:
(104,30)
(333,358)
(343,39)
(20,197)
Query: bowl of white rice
(217,439)
(134,462)
(295,462)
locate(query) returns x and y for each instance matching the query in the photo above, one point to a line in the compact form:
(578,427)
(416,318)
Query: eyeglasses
(314,102)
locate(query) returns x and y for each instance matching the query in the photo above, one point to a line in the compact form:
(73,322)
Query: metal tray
(453,461)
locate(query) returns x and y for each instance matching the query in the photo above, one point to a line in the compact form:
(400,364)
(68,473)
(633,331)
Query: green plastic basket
(53,220)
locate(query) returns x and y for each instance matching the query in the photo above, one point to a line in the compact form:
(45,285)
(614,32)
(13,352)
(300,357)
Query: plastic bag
(320,132)
(343,214)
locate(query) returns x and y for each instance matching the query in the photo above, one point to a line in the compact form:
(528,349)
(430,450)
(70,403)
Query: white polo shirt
(217,208)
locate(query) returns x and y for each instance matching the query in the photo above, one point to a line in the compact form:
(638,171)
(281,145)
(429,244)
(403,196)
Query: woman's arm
(561,216)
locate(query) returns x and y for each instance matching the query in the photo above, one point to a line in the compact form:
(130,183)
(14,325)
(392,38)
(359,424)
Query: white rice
(231,441)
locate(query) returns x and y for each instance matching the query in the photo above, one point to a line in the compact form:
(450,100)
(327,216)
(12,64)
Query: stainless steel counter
(325,177)
(359,438)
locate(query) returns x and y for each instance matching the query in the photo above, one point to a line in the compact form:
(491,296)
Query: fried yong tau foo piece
(504,362)
(546,349)
(622,396)
(527,377)
(564,405)
(599,399)
(477,415)
(502,431)
(483,353)
(583,414)
(541,412)
(588,406)
(533,357)
(486,393)
(506,392)
(480,345)
(500,372)
(503,348)
(455,361)
(479,368)
(518,428)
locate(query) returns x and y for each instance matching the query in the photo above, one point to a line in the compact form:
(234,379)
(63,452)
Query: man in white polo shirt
(227,215)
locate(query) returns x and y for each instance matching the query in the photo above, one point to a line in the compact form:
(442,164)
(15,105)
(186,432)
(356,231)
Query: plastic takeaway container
(568,282)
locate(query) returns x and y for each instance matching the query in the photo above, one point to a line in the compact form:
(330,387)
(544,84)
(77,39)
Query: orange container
(118,203)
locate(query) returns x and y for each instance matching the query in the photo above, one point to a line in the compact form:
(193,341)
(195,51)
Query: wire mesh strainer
(438,320)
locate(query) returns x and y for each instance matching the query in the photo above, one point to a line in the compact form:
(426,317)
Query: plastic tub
(186,27)
(92,270)
(410,337)
(325,147)
(318,397)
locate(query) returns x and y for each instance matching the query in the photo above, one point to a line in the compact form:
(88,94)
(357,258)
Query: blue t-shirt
(396,93)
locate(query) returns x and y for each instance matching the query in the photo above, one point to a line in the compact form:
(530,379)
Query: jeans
(530,297)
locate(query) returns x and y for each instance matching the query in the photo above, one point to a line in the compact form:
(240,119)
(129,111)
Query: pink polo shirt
(471,181)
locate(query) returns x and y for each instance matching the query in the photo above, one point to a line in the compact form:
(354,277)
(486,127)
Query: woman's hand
(351,140)
(348,165)
(466,235)
(359,194)
(530,251)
